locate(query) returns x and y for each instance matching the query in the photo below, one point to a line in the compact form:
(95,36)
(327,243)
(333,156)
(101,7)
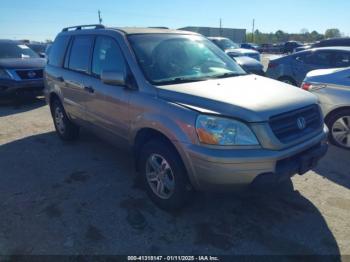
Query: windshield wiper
(227,75)
(180,80)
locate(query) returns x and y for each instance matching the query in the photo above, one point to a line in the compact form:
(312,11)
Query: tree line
(279,36)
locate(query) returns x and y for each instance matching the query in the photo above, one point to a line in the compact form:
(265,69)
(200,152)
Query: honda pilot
(192,117)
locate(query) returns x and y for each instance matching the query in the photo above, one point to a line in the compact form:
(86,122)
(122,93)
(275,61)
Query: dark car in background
(248,59)
(343,41)
(38,48)
(290,46)
(292,69)
(251,46)
(21,69)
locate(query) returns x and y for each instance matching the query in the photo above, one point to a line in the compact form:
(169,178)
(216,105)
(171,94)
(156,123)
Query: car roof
(333,48)
(336,39)
(217,38)
(124,30)
(8,41)
(329,48)
(148,30)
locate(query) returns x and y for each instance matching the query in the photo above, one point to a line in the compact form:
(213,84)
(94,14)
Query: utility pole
(99,17)
(220,27)
(253,30)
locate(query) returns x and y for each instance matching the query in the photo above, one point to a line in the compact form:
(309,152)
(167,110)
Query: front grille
(30,74)
(286,127)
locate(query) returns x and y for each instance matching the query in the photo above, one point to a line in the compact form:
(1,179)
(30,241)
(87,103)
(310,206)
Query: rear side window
(317,58)
(341,59)
(80,52)
(58,50)
(107,56)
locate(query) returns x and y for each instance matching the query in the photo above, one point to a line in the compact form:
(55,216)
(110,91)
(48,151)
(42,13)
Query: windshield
(226,44)
(16,50)
(173,58)
(37,48)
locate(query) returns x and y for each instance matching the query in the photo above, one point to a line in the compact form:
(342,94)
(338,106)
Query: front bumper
(9,87)
(218,169)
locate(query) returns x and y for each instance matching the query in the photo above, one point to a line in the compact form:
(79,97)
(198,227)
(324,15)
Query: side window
(58,50)
(80,52)
(341,59)
(107,56)
(317,58)
(322,59)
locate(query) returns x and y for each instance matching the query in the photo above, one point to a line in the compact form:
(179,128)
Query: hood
(248,62)
(22,63)
(249,97)
(241,51)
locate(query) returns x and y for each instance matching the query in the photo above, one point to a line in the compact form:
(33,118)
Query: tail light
(306,86)
(310,87)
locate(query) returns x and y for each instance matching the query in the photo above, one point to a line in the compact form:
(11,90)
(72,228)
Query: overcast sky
(43,19)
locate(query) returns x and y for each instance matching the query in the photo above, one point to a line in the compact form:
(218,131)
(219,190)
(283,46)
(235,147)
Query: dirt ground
(81,198)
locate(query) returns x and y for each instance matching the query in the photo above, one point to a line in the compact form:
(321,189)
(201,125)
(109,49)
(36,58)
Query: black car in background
(21,69)
(38,48)
(343,41)
(289,46)
(251,46)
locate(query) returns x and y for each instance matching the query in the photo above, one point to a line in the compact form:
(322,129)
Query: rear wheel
(65,129)
(164,175)
(339,128)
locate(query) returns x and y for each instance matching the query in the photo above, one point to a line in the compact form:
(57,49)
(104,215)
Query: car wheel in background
(339,128)
(64,127)
(288,80)
(164,175)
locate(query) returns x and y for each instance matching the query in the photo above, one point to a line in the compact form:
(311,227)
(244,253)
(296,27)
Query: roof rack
(81,27)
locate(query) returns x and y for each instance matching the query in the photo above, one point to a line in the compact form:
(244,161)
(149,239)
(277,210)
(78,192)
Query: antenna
(220,27)
(99,17)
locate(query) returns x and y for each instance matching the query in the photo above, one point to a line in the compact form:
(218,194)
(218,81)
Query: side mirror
(113,78)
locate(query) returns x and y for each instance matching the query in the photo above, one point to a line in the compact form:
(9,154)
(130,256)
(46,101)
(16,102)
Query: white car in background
(332,86)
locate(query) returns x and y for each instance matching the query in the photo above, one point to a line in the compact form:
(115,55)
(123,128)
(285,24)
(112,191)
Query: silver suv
(192,117)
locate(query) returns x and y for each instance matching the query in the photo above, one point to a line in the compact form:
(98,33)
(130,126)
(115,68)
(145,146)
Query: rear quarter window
(58,50)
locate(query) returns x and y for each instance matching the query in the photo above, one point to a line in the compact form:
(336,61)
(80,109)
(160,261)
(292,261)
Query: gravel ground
(81,198)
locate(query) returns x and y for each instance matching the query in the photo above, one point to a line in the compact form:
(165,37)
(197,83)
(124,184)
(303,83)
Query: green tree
(331,33)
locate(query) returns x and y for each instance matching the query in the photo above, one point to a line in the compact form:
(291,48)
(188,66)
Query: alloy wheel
(160,176)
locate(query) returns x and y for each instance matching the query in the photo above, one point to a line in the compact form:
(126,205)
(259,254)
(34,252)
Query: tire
(339,128)
(65,129)
(177,189)
(288,80)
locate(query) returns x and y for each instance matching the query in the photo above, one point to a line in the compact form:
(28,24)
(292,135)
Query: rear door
(77,71)
(306,62)
(107,105)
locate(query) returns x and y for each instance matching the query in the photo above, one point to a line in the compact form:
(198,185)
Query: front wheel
(339,128)
(164,175)
(65,129)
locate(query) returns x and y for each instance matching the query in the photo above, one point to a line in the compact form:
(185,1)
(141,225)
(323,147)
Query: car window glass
(107,56)
(342,59)
(79,59)
(317,58)
(58,50)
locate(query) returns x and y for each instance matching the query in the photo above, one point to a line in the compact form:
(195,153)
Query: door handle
(89,89)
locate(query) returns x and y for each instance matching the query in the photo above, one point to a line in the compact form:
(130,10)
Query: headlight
(213,130)
(4,74)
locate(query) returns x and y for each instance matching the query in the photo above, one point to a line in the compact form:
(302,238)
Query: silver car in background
(332,86)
